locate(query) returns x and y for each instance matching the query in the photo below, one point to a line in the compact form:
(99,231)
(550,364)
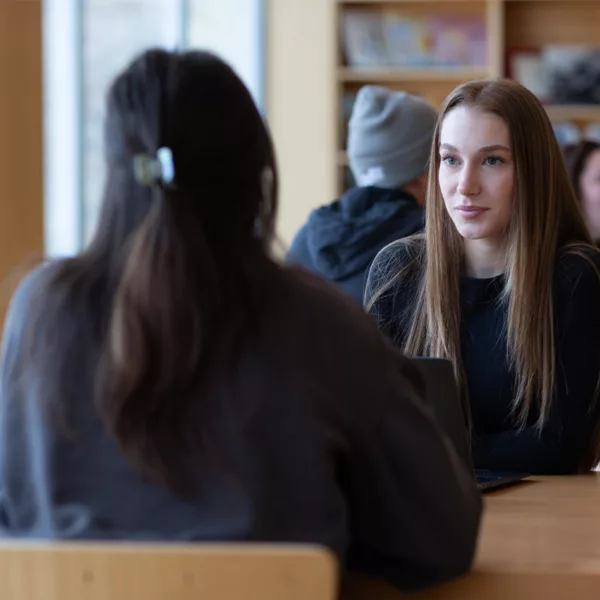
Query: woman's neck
(484,258)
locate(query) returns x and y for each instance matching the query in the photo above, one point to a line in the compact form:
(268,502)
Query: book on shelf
(573,73)
(458,42)
(392,38)
(363,39)
(407,40)
(526,66)
(557,73)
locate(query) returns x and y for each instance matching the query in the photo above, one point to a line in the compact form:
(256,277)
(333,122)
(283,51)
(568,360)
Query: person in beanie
(389,141)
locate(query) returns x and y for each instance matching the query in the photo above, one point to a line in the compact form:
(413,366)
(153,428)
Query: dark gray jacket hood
(342,239)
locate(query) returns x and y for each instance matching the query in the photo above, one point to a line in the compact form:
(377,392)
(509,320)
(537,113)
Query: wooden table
(540,540)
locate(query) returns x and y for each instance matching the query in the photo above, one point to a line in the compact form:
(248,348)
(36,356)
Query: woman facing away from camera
(505,283)
(172,382)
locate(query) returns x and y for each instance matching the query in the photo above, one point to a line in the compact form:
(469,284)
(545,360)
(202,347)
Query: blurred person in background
(389,140)
(583,165)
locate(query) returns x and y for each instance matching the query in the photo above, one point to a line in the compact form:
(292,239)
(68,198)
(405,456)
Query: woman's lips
(470,212)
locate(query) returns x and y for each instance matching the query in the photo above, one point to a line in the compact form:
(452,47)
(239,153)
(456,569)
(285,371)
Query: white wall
(300,81)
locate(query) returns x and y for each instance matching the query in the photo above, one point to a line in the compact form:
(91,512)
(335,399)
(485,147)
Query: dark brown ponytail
(172,280)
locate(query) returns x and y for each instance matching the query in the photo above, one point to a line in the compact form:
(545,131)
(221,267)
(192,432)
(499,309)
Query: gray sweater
(341,451)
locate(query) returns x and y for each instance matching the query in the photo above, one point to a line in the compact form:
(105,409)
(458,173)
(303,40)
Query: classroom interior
(308,75)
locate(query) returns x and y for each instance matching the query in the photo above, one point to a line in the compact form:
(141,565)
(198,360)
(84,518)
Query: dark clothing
(497,442)
(339,241)
(332,446)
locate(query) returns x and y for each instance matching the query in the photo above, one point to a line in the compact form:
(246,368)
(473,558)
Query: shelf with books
(422,47)
(396,37)
(418,46)
(553,49)
(409,1)
(392,74)
(573,112)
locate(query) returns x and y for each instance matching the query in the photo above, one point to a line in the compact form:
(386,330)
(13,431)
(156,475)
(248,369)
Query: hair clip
(155,170)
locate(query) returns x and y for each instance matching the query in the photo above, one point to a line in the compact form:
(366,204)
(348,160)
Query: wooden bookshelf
(379,75)
(365,2)
(510,24)
(574,112)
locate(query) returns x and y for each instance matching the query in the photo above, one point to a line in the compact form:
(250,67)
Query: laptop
(442,394)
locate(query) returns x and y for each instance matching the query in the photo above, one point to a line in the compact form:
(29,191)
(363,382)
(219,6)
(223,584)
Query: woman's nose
(469,184)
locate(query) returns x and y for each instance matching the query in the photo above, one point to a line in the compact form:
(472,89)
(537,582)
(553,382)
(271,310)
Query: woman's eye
(450,161)
(492,161)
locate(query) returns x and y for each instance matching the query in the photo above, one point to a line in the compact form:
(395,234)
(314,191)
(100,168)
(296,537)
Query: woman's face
(589,189)
(476,174)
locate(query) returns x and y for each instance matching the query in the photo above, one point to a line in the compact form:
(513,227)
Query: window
(86,43)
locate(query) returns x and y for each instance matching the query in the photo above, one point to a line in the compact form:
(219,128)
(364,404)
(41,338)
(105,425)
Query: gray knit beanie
(389,137)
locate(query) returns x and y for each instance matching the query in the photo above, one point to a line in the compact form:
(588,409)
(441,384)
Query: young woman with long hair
(173,382)
(505,283)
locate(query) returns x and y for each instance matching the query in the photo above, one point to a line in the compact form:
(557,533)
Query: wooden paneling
(21,135)
(535,23)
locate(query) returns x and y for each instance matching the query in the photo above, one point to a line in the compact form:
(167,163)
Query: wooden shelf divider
(391,74)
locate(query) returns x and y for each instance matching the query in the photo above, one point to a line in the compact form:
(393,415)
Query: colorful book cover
(407,40)
(459,42)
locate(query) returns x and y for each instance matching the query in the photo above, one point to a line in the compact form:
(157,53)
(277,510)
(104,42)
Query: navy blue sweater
(498,443)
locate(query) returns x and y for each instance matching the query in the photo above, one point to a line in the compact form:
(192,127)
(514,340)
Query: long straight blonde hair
(546,219)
